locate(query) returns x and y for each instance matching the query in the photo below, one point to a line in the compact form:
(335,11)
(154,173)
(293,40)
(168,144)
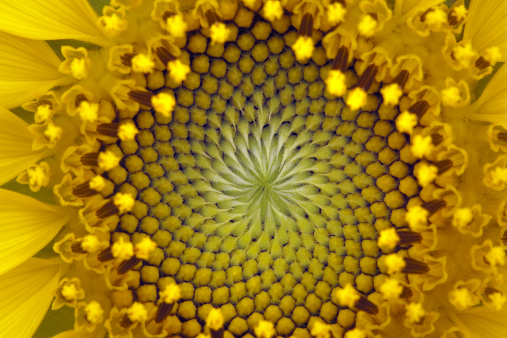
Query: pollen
(53,133)
(144,248)
(94,312)
(163,103)
(142,63)
(417,217)
(219,33)
(321,330)
(170,294)
(43,113)
(70,292)
(422,146)
(394,263)
(336,13)
(496,256)
(108,160)
(462,217)
(388,239)
(415,312)
(391,94)
(405,122)
(124,202)
(127,132)
(137,312)
(391,289)
(273,10)
(178,71)
(91,243)
(355,333)
(215,319)
(335,83)
(426,173)
(347,296)
(356,98)
(122,250)
(303,48)
(498,300)
(79,68)
(265,329)
(367,25)
(176,26)
(88,111)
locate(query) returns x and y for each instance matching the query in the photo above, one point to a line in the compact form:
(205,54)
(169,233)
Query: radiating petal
(487,25)
(27,69)
(80,334)
(492,104)
(411,7)
(16,152)
(482,321)
(26,226)
(25,296)
(51,20)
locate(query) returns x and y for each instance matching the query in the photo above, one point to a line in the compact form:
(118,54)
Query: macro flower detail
(240,168)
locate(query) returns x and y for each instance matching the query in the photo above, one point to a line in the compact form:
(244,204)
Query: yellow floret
(137,312)
(90,243)
(394,263)
(97,183)
(215,319)
(435,18)
(303,48)
(37,176)
(460,12)
(414,312)
(273,10)
(464,54)
(176,26)
(451,96)
(88,111)
(108,160)
(144,248)
(336,13)
(391,94)
(405,122)
(391,289)
(335,83)
(347,296)
(53,133)
(496,256)
(70,292)
(122,250)
(492,55)
(178,71)
(356,98)
(422,146)
(78,68)
(367,25)
(462,217)
(219,33)
(498,176)
(43,112)
(355,333)
(142,63)
(426,173)
(94,312)
(124,202)
(171,294)
(498,300)
(461,298)
(163,103)
(417,217)
(321,330)
(265,329)
(127,132)
(388,239)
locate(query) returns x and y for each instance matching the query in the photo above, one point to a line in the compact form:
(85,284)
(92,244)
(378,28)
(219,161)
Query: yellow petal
(27,69)
(410,8)
(25,296)
(492,104)
(16,152)
(51,20)
(81,334)
(487,25)
(481,321)
(26,226)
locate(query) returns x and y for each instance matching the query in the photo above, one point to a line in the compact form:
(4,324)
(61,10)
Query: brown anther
(90,159)
(163,311)
(363,304)
(443,166)
(406,293)
(77,248)
(436,139)
(79,98)
(167,15)
(165,55)
(415,266)
(217,333)
(141,97)
(434,206)
(83,190)
(108,129)
(504,238)
(419,108)
(409,237)
(125,266)
(453,19)
(212,17)
(341,2)
(423,15)
(489,291)
(481,63)
(502,136)
(108,209)
(402,78)
(125,322)
(126,59)
(341,59)
(105,255)
(306,27)
(366,79)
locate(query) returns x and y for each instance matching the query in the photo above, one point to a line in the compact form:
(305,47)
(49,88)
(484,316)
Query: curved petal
(16,152)
(25,296)
(486,25)
(491,106)
(27,69)
(26,226)
(51,20)
(411,7)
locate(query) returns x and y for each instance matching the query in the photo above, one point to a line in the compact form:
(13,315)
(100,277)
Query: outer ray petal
(80,334)
(487,25)
(51,20)
(482,322)
(15,146)
(25,296)
(26,226)
(492,104)
(27,68)
(411,7)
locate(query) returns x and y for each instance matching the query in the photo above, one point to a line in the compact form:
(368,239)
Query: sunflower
(223,168)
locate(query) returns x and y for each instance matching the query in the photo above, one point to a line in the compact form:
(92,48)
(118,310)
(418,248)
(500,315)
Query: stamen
(105,255)
(108,129)
(215,323)
(125,322)
(77,248)
(141,97)
(409,237)
(165,55)
(436,139)
(402,78)
(168,299)
(363,304)
(406,293)
(415,266)
(126,59)
(341,59)
(419,108)
(366,79)
(125,132)
(306,28)
(457,15)
(502,136)
(120,203)
(212,17)
(90,159)
(83,190)
(434,206)
(443,166)
(125,266)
